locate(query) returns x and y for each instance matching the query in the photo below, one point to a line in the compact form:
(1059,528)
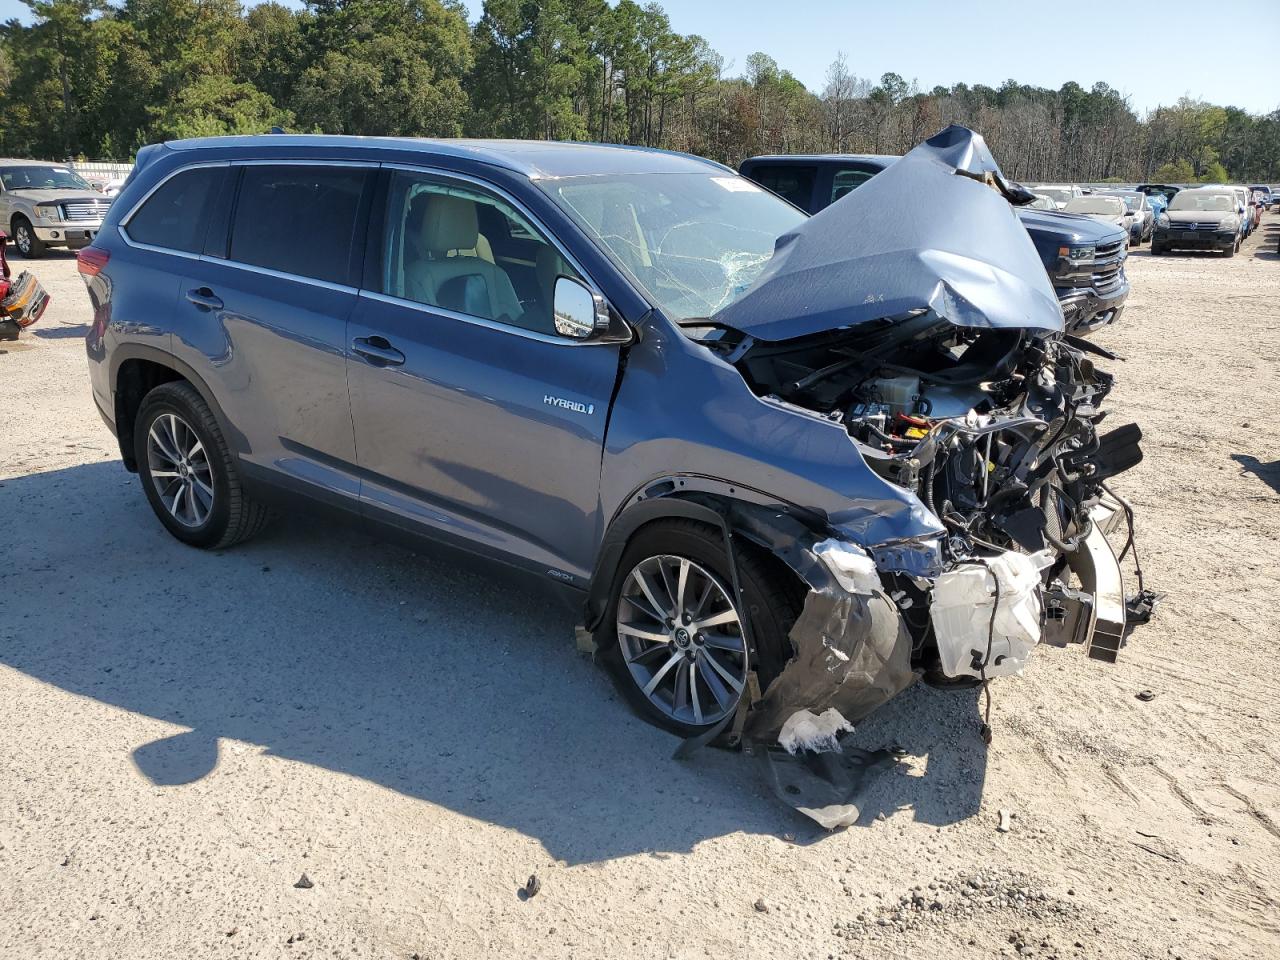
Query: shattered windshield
(695,241)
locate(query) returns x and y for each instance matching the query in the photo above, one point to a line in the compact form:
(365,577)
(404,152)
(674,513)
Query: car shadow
(430,674)
(76,331)
(1268,473)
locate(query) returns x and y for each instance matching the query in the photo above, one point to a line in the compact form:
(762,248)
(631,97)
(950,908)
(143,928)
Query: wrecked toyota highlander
(792,464)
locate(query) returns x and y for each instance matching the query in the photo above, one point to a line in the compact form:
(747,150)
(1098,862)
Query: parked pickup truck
(1084,258)
(48,205)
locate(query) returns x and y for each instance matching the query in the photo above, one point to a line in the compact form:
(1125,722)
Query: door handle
(204,298)
(377,351)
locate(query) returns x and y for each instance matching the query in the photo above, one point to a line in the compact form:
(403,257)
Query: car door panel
(266,309)
(469,437)
(277,346)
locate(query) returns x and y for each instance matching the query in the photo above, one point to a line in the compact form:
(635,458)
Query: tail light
(91,260)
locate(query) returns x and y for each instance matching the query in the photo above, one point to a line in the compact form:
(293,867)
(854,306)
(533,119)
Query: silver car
(46,205)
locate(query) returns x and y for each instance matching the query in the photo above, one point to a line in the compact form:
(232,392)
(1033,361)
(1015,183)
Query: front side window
(42,178)
(465,250)
(694,241)
(173,216)
(846,181)
(298,219)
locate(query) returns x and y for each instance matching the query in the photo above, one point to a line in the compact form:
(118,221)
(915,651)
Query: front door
(473,418)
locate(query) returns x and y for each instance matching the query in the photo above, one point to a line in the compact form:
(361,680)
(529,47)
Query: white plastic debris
(853,569)
(963,598)
(805,730)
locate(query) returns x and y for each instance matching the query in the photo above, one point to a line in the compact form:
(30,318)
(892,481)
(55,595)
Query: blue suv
(592,362)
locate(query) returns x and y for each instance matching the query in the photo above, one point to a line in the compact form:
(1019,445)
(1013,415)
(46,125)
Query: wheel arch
(772,525)
(136,369)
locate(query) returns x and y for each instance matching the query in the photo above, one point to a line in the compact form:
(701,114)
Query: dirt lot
(185,734)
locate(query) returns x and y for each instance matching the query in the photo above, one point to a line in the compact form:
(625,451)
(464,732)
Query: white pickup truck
(48,205)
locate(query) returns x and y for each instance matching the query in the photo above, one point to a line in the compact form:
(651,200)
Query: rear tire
(772,598)
(188,472)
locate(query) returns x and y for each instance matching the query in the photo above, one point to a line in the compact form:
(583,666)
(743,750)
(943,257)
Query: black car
(1084,258)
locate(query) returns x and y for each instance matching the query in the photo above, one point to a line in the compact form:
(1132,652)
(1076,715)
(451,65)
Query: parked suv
(48,205)
(591,362)
(1084,259)
(1206,218)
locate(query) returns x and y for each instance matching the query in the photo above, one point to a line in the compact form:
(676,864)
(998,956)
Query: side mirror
(580,314)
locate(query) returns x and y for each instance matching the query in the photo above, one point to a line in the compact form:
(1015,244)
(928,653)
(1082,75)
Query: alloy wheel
(180,470)
(22,238)
(681,638)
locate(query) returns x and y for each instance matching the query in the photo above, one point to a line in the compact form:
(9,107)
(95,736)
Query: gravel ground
(186,734)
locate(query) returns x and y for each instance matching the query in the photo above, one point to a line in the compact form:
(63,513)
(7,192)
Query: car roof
(533,158)
(821,157)
(7,162)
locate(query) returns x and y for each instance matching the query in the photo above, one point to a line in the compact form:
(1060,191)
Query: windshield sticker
(736,184)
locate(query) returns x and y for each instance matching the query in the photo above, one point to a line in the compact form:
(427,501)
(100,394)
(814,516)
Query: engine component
(986,614)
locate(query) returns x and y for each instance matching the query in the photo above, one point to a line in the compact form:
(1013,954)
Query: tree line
(99,79)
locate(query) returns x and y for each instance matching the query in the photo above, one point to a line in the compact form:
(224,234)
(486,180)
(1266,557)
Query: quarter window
(173,216)
(465,250)
(298,219)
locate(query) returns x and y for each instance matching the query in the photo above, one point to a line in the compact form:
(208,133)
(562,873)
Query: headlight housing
(1230,223)
(1162,220)
(48,211)
(1078,254)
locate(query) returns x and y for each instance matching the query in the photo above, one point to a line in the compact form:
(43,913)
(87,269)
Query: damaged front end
(998,433)
(937,343)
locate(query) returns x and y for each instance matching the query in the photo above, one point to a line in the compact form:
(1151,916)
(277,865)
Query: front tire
(188,472)
(674,638)
(25,239)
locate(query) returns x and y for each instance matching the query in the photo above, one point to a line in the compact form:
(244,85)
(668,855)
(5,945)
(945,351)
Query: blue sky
(1045,44)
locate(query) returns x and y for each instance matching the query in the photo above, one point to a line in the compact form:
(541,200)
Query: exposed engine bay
(998,432)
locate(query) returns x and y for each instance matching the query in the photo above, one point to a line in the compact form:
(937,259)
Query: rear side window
(173,217)
(792,183)
(846,181)
(298,219)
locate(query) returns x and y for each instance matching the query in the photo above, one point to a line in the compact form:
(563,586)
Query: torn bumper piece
(853,654)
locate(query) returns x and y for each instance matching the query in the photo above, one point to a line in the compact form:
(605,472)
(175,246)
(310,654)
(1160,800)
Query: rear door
(265,311)
(474,420)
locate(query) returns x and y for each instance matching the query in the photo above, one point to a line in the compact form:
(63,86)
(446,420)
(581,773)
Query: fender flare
(771,524)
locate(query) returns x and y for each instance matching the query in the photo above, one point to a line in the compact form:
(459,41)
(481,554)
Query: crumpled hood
(926,233)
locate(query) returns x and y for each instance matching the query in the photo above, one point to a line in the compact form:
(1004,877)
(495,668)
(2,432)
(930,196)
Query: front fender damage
(852,654)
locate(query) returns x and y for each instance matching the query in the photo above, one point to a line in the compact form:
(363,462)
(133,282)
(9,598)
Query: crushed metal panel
(1094,562)
(928,233)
